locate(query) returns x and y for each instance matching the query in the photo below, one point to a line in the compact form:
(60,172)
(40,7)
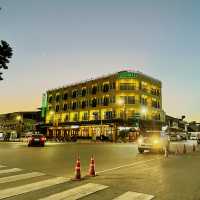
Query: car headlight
(140,140)
(156,141)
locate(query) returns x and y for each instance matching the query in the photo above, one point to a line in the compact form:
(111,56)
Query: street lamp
(144,112)
(121,102)
(19,120)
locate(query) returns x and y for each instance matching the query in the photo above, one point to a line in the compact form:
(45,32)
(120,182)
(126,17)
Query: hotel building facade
(99,106)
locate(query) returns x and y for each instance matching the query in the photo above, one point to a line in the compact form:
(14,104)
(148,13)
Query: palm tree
(5,54)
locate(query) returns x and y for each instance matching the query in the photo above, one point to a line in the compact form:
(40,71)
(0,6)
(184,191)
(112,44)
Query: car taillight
(43,138)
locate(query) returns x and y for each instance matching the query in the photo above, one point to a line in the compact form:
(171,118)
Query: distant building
(19,122)
(98,106)
(176,124)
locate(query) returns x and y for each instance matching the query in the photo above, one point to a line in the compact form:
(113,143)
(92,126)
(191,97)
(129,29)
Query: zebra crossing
(75,193)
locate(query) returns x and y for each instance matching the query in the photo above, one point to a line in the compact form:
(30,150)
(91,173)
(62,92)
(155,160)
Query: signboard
(126,74)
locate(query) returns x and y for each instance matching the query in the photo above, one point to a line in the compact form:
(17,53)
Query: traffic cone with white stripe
(177,150)
(92,167)
(78,170)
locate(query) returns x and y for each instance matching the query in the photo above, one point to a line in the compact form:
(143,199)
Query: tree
(5,55)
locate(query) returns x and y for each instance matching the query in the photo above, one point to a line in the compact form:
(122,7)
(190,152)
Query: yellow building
(97,106)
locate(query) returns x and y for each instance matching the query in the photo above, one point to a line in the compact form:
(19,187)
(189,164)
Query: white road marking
(77,192)
(5,193)
(4,171)
(20,177)
(129,165)
(1,166)
(134,196)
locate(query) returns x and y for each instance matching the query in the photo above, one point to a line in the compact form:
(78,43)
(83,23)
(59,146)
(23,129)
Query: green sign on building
(126,74)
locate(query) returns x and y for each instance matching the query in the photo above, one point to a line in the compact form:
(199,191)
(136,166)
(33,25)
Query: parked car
(36,139)
(183,135)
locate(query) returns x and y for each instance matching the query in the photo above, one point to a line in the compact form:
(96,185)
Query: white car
(152,141)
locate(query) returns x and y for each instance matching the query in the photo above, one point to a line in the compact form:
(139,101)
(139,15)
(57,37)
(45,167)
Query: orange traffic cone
(78,170)
(193,148)
(92,167)
(184,149)
(177,150)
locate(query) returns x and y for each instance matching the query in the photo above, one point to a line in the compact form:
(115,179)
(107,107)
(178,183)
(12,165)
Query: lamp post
(19,120)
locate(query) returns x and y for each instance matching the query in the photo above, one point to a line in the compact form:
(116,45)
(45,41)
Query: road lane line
(20,177)
(4,171)
(10,192)
(77,192)
(129,165)
(134,196)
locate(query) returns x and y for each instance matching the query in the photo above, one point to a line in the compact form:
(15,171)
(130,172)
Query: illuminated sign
(127,74)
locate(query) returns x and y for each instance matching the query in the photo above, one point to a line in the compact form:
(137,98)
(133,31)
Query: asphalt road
(120,169)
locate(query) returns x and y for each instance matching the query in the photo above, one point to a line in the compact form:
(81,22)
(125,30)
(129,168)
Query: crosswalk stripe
(4,171)
(5,193)
(134,196)
(1,166)
(77,192)
(20,177)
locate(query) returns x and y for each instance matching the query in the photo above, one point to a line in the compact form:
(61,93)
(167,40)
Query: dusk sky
(57,42)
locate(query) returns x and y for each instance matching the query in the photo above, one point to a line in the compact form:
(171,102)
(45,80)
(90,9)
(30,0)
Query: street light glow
(144,110)
(120,102)
(18,117)
(51,112)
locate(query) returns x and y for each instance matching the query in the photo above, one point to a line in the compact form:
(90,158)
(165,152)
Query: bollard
(193,148)
(184,149)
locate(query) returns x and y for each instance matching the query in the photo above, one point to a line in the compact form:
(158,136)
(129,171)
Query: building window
(67,118)
(85,116)
(155,104)
(105,101)
(143,86)
(105,88)
(57,98)
(74,105)
(75,117)
(65,96)
(96,115)
(128,99)
(94,89)
(94,102)
(74,94)
(127,86)
(83,92)
(50,99)
(131,100)
(108,115)
(83,104)
(57,108)
(65,107)
(143,100)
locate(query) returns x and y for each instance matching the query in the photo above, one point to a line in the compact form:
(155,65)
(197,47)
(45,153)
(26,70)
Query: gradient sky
(57,42)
